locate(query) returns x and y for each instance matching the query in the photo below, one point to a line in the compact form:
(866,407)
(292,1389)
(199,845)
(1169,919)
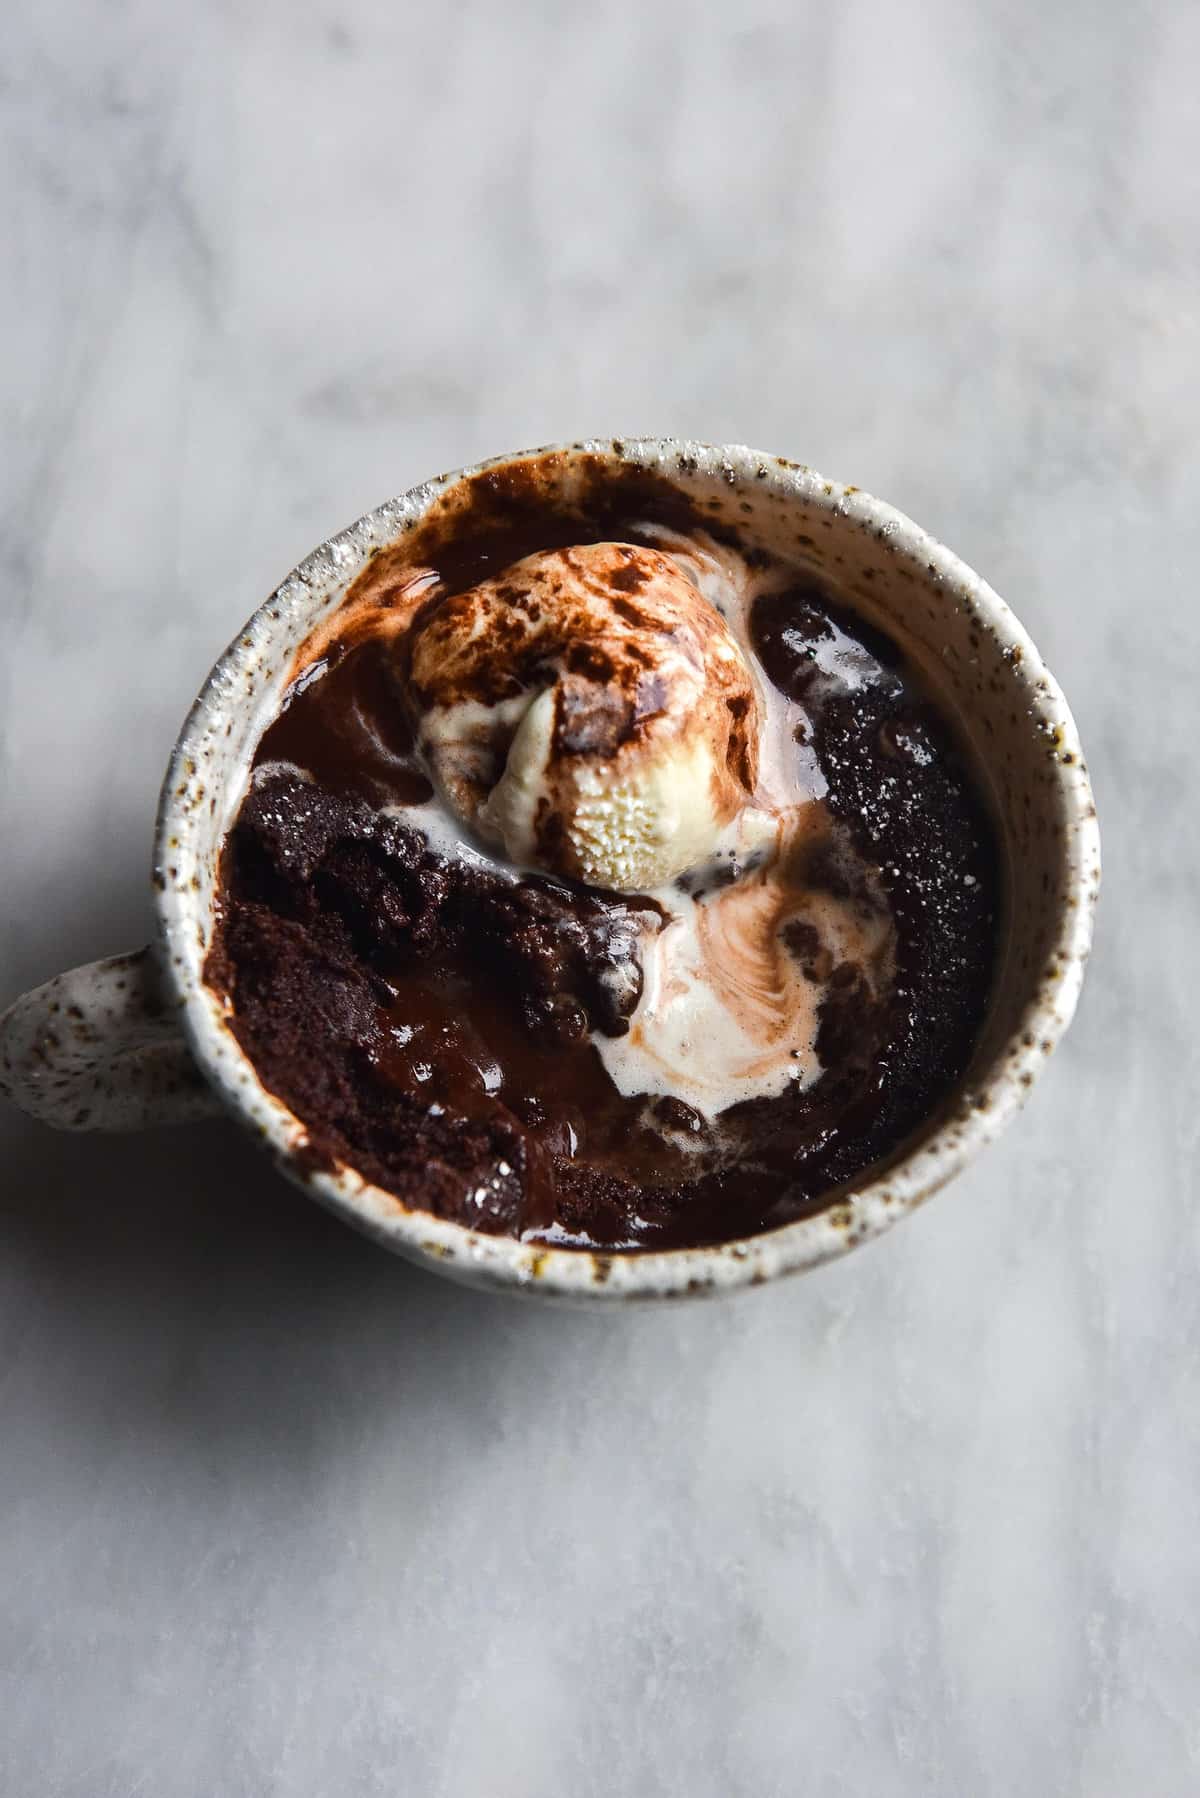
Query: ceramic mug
(142,1040)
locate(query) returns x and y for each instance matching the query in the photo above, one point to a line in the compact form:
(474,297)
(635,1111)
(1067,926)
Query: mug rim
(984,1105)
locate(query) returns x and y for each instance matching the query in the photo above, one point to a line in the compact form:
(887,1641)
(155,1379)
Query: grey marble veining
(280,1515)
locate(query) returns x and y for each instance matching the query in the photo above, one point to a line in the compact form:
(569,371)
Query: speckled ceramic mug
(141,1039)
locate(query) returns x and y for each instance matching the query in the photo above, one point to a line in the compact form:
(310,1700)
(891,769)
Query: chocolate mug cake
(607,878)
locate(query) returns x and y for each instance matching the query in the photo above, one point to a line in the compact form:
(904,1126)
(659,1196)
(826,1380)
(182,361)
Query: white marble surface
(281,1516)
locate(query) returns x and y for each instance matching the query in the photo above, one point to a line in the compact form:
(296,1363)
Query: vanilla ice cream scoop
(589,712)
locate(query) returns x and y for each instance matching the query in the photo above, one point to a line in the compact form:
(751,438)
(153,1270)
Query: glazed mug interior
(982,666)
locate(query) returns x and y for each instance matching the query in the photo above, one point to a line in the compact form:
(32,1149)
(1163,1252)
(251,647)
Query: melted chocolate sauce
(345,723)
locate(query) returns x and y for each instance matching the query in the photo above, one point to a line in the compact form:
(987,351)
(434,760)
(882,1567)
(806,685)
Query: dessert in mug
(605,879)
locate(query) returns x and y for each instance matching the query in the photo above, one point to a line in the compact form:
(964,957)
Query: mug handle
(99,1048)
